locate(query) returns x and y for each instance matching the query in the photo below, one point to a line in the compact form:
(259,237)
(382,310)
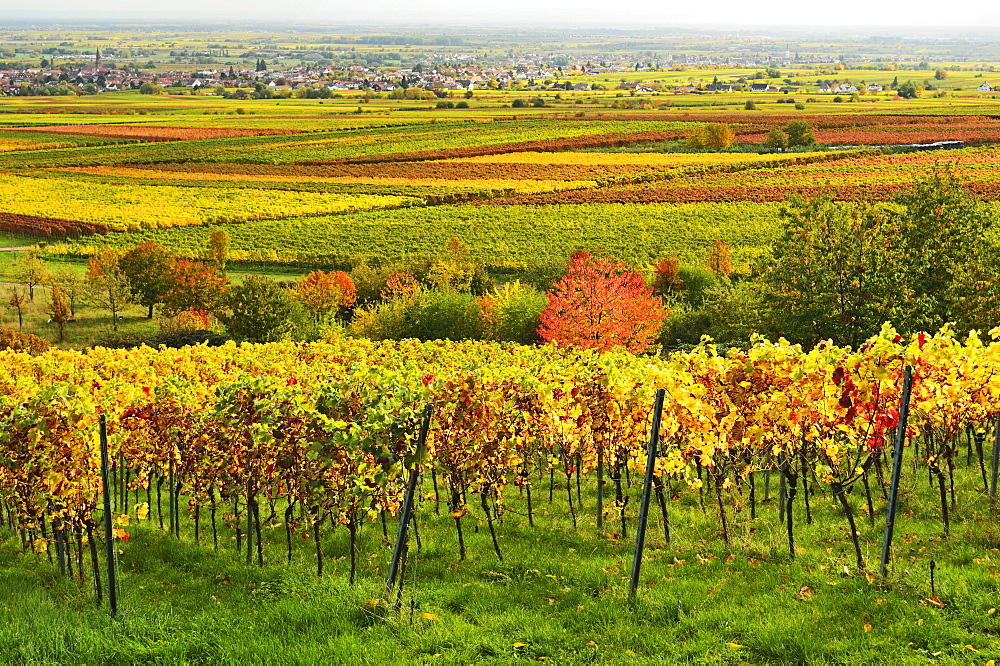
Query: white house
(986,87)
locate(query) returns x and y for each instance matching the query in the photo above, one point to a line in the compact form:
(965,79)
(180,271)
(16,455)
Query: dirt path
(17,249)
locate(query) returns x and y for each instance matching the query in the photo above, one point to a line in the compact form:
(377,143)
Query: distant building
(986,87)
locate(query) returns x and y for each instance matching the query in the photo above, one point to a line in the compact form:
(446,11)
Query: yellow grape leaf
(429,616)
(868,628)
(142,510)
(373,603)
(41,545)
(122,520)
(969,647)
(630,653)
(920,622)
(520,645)
(735,646)
(991,662)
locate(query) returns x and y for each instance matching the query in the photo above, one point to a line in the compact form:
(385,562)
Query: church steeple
(97,59)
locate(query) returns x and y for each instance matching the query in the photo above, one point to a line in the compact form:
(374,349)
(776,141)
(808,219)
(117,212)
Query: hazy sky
(568,13)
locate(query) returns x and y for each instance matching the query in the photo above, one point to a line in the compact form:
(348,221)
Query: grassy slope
(559,594)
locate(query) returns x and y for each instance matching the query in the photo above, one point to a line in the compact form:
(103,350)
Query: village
(525,73)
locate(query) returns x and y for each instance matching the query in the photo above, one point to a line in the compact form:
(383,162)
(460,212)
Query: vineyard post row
(325,432)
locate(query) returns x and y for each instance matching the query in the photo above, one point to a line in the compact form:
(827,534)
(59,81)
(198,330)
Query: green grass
(559,594)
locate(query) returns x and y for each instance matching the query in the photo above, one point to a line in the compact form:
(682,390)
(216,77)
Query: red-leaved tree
(599,304)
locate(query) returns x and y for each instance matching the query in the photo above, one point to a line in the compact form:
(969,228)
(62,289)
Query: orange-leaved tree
(191,284)
(324,294)
(599,304)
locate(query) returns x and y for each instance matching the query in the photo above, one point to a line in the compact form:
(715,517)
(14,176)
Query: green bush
(511,313)
(443,315)
(259,310)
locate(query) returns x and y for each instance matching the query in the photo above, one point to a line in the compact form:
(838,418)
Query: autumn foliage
(599,304)
(325,293)
(666,277)
(191,284)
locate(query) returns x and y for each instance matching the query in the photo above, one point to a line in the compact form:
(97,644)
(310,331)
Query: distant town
(274,79)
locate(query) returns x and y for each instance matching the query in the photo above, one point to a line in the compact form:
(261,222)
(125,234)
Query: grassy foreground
(559,595)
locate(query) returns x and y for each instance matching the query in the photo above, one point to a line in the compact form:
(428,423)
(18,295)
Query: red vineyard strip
(48,227)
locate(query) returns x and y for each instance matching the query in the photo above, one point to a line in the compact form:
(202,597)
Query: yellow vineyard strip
(519,186)
(133,207)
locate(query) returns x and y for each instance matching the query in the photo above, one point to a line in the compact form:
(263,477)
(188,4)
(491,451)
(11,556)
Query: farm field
(273,172)
(256,488)
(728,584)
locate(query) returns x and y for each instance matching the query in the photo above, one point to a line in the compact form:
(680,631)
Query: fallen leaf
(735,646)
(591,644)
(429,616)
(630,653)
(932,601)
(373,603)
(868,628)
(920,622)
(520,645)
(969,647)
(804,592)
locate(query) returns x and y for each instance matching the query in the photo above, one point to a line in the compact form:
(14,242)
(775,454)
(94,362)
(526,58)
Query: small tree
(713,136)
(191,284)
(259,310)
(146,266)
(218,249)
(72,282)
(324,294)
(750,105)
(599,304)
(720,136)
(666,277)
(59,311)
(718,258)
(401,285)
(18,301)
(29,270)
(109,286)
(776,140)
(799,133)
(908,90)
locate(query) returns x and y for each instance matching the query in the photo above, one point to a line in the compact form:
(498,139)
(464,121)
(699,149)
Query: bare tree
(18,301)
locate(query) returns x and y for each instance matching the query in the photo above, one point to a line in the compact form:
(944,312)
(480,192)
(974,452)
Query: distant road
(16,249)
